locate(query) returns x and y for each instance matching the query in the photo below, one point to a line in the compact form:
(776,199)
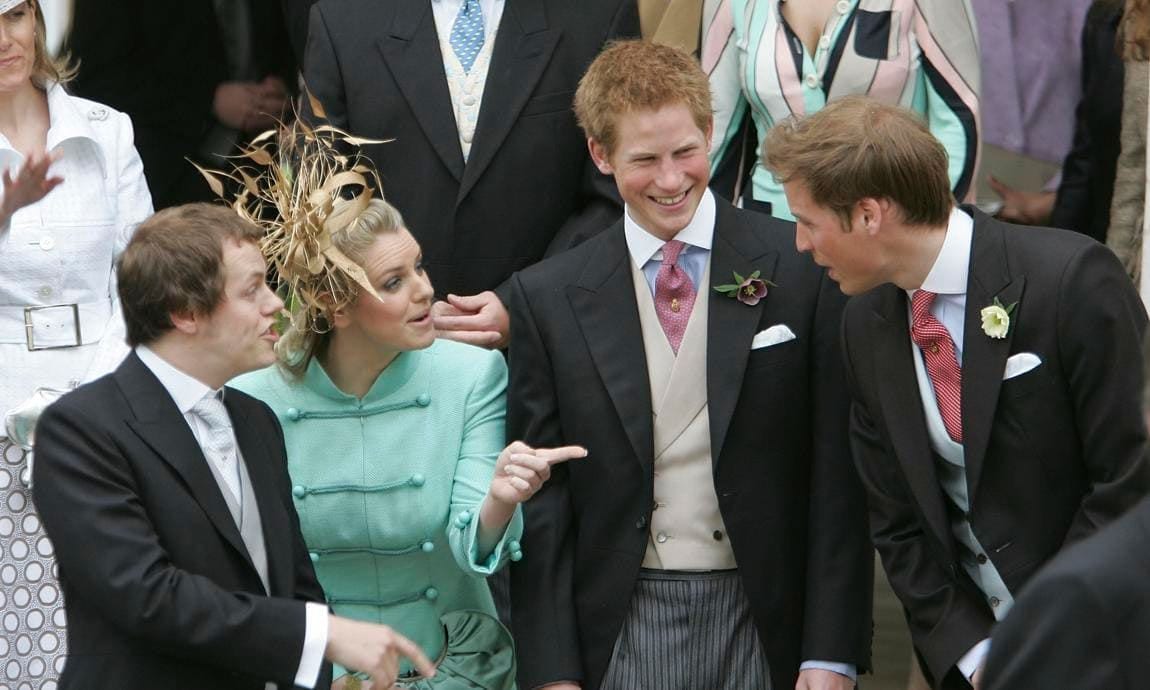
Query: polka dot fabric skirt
(31,606)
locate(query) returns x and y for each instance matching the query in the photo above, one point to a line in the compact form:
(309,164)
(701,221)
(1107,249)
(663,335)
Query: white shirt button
(469,100)
(44,292)
(660,537)
(466,137)
(843,6)
(47,243)
(825,42)
(812,81)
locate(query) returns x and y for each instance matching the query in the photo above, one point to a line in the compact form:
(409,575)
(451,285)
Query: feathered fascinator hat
(301,186)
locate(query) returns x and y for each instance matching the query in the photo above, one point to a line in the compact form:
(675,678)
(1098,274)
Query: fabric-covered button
(513,545)
(463,520)
(44,292)
(423,400)
(47,243)
(516,556)
(292,414)
(298,491)
(427,546)
(843,6)
(812,81)
(825,42)
(417,480)
(431,593)
(313,556)
(469,100)
(98,114)
(661,537)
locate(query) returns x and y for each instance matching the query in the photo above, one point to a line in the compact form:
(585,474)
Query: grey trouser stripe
(688,631)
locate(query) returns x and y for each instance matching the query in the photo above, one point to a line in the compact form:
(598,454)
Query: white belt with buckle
(55,326)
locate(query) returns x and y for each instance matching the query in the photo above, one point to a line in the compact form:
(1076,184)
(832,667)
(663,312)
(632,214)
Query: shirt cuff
(314,643)
(972,660)
(842,669)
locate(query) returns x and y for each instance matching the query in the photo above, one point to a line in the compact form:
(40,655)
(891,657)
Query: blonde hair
(638,75)
(47,69)
(857,147)
(310,331)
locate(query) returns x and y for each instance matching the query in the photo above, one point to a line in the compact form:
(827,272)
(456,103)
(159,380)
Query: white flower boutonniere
(996,319)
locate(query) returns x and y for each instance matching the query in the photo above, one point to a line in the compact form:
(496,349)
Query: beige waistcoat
(687,531)
(675,23)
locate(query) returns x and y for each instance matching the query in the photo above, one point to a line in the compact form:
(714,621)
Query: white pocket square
(779,333)
(1020,363)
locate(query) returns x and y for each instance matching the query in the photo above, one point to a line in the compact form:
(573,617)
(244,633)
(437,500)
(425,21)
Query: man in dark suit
(1080,623)
(196,77)
(487,164)
(994,371)
(713,537)
(167,495)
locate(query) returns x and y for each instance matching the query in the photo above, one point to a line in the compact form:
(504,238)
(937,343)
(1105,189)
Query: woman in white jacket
(73,191)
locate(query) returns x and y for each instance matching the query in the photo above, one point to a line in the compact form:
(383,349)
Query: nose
(802,239)
(424,291)
(670,177)
(274,303)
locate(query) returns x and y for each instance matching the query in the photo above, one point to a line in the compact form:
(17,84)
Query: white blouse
(62,251)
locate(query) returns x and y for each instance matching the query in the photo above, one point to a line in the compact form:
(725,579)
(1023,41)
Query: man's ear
(185,322)
(870,213)
(600,156)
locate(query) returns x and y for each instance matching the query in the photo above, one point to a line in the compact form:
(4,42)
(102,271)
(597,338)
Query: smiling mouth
(669,200)
(8,62)
(422,319)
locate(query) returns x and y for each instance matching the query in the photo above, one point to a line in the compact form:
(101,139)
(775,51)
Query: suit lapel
(159,424)
(252,439)
(984,358)
(731,324)
(411,50)
(523,47)
(604,305)
(901,405)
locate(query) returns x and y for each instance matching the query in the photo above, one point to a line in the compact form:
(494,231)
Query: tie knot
(671,251)
(211,409)
(920,304)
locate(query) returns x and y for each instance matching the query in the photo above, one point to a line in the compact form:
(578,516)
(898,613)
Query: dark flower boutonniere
(747,290)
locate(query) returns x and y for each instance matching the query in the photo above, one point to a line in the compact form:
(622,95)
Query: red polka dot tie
(941,361)
(674,295)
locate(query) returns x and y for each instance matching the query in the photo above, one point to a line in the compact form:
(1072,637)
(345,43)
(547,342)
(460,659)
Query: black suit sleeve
(1101,321)
(946,619)
(295,13)
(840,560)
(542,599)
(322,74)
(1059,635)
(109,553)
(600,204)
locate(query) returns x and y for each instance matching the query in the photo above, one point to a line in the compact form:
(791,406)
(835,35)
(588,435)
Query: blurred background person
(73,191)
(196,76)
(394,443)
(779,59)
(1032,61)
(1088,171)
(1127,234)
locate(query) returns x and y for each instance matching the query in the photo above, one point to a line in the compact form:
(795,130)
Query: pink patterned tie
(674,294)
(941,361)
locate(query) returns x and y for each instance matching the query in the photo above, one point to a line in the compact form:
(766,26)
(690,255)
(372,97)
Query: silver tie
(220,442)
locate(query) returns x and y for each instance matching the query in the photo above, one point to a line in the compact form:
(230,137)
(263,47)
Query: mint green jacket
(388,488)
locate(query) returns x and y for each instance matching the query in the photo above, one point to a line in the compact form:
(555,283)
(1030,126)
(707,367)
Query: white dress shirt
(186,391)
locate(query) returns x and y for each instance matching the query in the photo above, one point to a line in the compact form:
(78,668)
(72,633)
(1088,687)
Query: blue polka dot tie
(467,34)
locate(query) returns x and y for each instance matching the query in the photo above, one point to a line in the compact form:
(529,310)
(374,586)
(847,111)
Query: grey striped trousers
(688,631)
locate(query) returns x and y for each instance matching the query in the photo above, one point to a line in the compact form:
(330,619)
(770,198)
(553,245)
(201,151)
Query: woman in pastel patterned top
(393,441)
(789,58)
